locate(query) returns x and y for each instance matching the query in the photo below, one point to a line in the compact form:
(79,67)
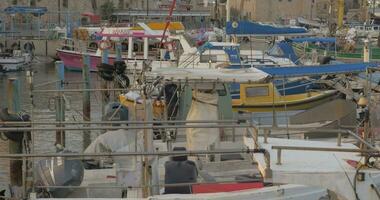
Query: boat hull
(74,60)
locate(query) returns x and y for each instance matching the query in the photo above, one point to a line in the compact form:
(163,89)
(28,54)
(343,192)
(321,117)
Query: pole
(228,16)
(104,84)
(146,48)
(130,47)
(15,147)
(86,99)
(118,51)
(60,102)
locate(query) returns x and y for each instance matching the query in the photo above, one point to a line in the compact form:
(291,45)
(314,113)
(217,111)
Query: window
(207,58)
(32,3)
(121,4)
(65,3)
(257,91)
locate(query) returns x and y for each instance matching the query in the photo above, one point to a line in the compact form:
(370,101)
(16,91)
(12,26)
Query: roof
(315,70)
(254,28)
(315,39)
(25,9)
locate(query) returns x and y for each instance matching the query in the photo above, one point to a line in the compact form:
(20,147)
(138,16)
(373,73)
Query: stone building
(284,10)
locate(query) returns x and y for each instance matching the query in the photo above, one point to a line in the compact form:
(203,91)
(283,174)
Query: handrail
(298,148)
(123,154)
(26,129)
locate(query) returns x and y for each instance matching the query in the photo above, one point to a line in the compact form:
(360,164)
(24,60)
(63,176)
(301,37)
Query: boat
(130,39)
(14,61)
(328,47)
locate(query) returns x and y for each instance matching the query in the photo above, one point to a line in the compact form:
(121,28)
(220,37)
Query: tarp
(203,107)
(254,28)
(316,70)
(240,75)
(25,9)
(216,46)
(314,39)
(288,52)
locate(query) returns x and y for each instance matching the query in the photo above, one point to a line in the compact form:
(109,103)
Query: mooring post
(15,147)
(60,102)
(104,83)
(86,99)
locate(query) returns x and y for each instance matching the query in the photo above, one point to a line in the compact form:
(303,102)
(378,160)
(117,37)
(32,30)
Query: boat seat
(180,170)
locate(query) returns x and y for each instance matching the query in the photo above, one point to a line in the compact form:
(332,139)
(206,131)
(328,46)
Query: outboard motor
(59,172)
(9,117)
(180,170)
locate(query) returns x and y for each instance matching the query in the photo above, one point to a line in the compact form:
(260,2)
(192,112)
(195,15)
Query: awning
(314,39)
(25,9)
(248,28)
(318,70)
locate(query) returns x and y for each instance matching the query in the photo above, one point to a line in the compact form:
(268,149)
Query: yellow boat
(266,97)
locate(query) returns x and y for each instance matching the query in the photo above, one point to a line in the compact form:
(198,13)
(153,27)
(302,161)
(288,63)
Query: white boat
(14,61)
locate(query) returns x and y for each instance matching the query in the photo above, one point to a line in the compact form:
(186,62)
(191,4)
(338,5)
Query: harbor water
(41,108)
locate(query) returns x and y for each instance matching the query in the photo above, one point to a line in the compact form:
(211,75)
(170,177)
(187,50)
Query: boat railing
(300,148)
(190,60)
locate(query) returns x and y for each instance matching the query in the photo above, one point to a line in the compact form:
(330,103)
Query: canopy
(25,9)
(315,39)
(242,75)
(317,70)
(253,28)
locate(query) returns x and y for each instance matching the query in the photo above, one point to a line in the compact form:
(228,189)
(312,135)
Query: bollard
(86,99)
(60,102)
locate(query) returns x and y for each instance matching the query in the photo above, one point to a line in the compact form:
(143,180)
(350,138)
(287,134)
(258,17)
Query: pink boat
(73,60)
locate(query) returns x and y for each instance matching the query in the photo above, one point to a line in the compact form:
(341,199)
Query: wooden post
(60,102)
(86,99)
(15,147)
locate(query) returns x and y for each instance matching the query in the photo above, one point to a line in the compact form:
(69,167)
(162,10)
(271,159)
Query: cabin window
(257,91)
(207,58)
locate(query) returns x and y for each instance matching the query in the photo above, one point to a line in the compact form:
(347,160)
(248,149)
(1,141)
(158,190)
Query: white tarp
(128,168)
(203,107)
(246,75)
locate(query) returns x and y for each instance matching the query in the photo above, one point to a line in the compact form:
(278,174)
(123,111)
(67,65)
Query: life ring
(29,47)
(93,45)
(105,44)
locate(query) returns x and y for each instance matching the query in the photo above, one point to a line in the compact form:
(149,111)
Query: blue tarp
(288,52)
(215,46)
(314,39)
(25,9)
(233,54)
(318,70)
(254,28)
